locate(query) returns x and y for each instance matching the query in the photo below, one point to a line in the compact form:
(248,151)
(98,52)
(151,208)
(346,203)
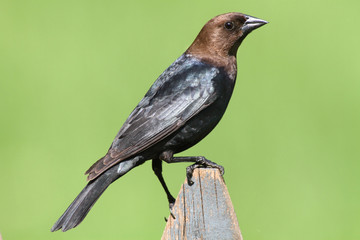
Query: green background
(72,71)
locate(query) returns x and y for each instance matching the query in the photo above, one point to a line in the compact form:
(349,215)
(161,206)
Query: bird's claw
(221,169)
(202,162)
(189,172)
(171,207)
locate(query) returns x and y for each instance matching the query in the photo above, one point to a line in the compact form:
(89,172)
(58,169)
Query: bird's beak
(252,23)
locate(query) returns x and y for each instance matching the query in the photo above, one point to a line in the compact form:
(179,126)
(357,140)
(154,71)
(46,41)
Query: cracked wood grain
(203,210)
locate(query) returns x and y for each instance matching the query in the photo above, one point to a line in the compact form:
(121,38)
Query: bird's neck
(217,59)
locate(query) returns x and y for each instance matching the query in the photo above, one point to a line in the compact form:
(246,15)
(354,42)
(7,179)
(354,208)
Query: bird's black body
(183,105)
(190,94)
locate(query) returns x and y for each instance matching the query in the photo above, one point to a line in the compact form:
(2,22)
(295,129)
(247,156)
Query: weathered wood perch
(203,210)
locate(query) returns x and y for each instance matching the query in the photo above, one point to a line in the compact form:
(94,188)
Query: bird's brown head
(222,35)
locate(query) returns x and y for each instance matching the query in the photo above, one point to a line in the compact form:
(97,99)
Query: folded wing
(181,92)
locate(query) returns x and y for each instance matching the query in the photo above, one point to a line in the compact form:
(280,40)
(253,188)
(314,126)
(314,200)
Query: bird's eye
(229,25)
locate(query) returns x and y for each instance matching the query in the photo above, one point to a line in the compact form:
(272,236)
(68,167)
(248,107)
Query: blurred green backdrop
(72,71)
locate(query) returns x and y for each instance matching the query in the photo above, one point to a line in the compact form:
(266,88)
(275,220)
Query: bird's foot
(202,162)
(171,207)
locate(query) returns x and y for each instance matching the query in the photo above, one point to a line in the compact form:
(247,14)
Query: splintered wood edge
(203,209)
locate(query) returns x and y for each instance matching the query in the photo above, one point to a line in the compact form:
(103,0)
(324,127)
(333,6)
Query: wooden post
(203,210)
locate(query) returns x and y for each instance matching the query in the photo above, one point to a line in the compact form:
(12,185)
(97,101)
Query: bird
(183,105)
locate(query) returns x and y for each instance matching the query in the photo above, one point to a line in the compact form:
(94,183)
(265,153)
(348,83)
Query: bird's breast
(200,125)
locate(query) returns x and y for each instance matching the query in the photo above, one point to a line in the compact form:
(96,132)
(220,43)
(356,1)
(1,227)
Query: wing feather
(169,104)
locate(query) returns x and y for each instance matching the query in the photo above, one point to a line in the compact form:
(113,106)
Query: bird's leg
(157,168)
(200,161)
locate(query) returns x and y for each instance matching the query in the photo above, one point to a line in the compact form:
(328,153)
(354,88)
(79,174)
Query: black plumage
(183,105)
(164,118)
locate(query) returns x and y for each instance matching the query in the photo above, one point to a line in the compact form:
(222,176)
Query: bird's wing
(169,104)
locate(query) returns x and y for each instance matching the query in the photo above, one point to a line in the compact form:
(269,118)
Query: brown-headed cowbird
(183,105)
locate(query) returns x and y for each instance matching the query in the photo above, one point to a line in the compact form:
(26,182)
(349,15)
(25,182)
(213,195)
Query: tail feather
(82,204)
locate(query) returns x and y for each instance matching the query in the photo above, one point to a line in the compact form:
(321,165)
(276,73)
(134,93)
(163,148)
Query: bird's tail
(82,204)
